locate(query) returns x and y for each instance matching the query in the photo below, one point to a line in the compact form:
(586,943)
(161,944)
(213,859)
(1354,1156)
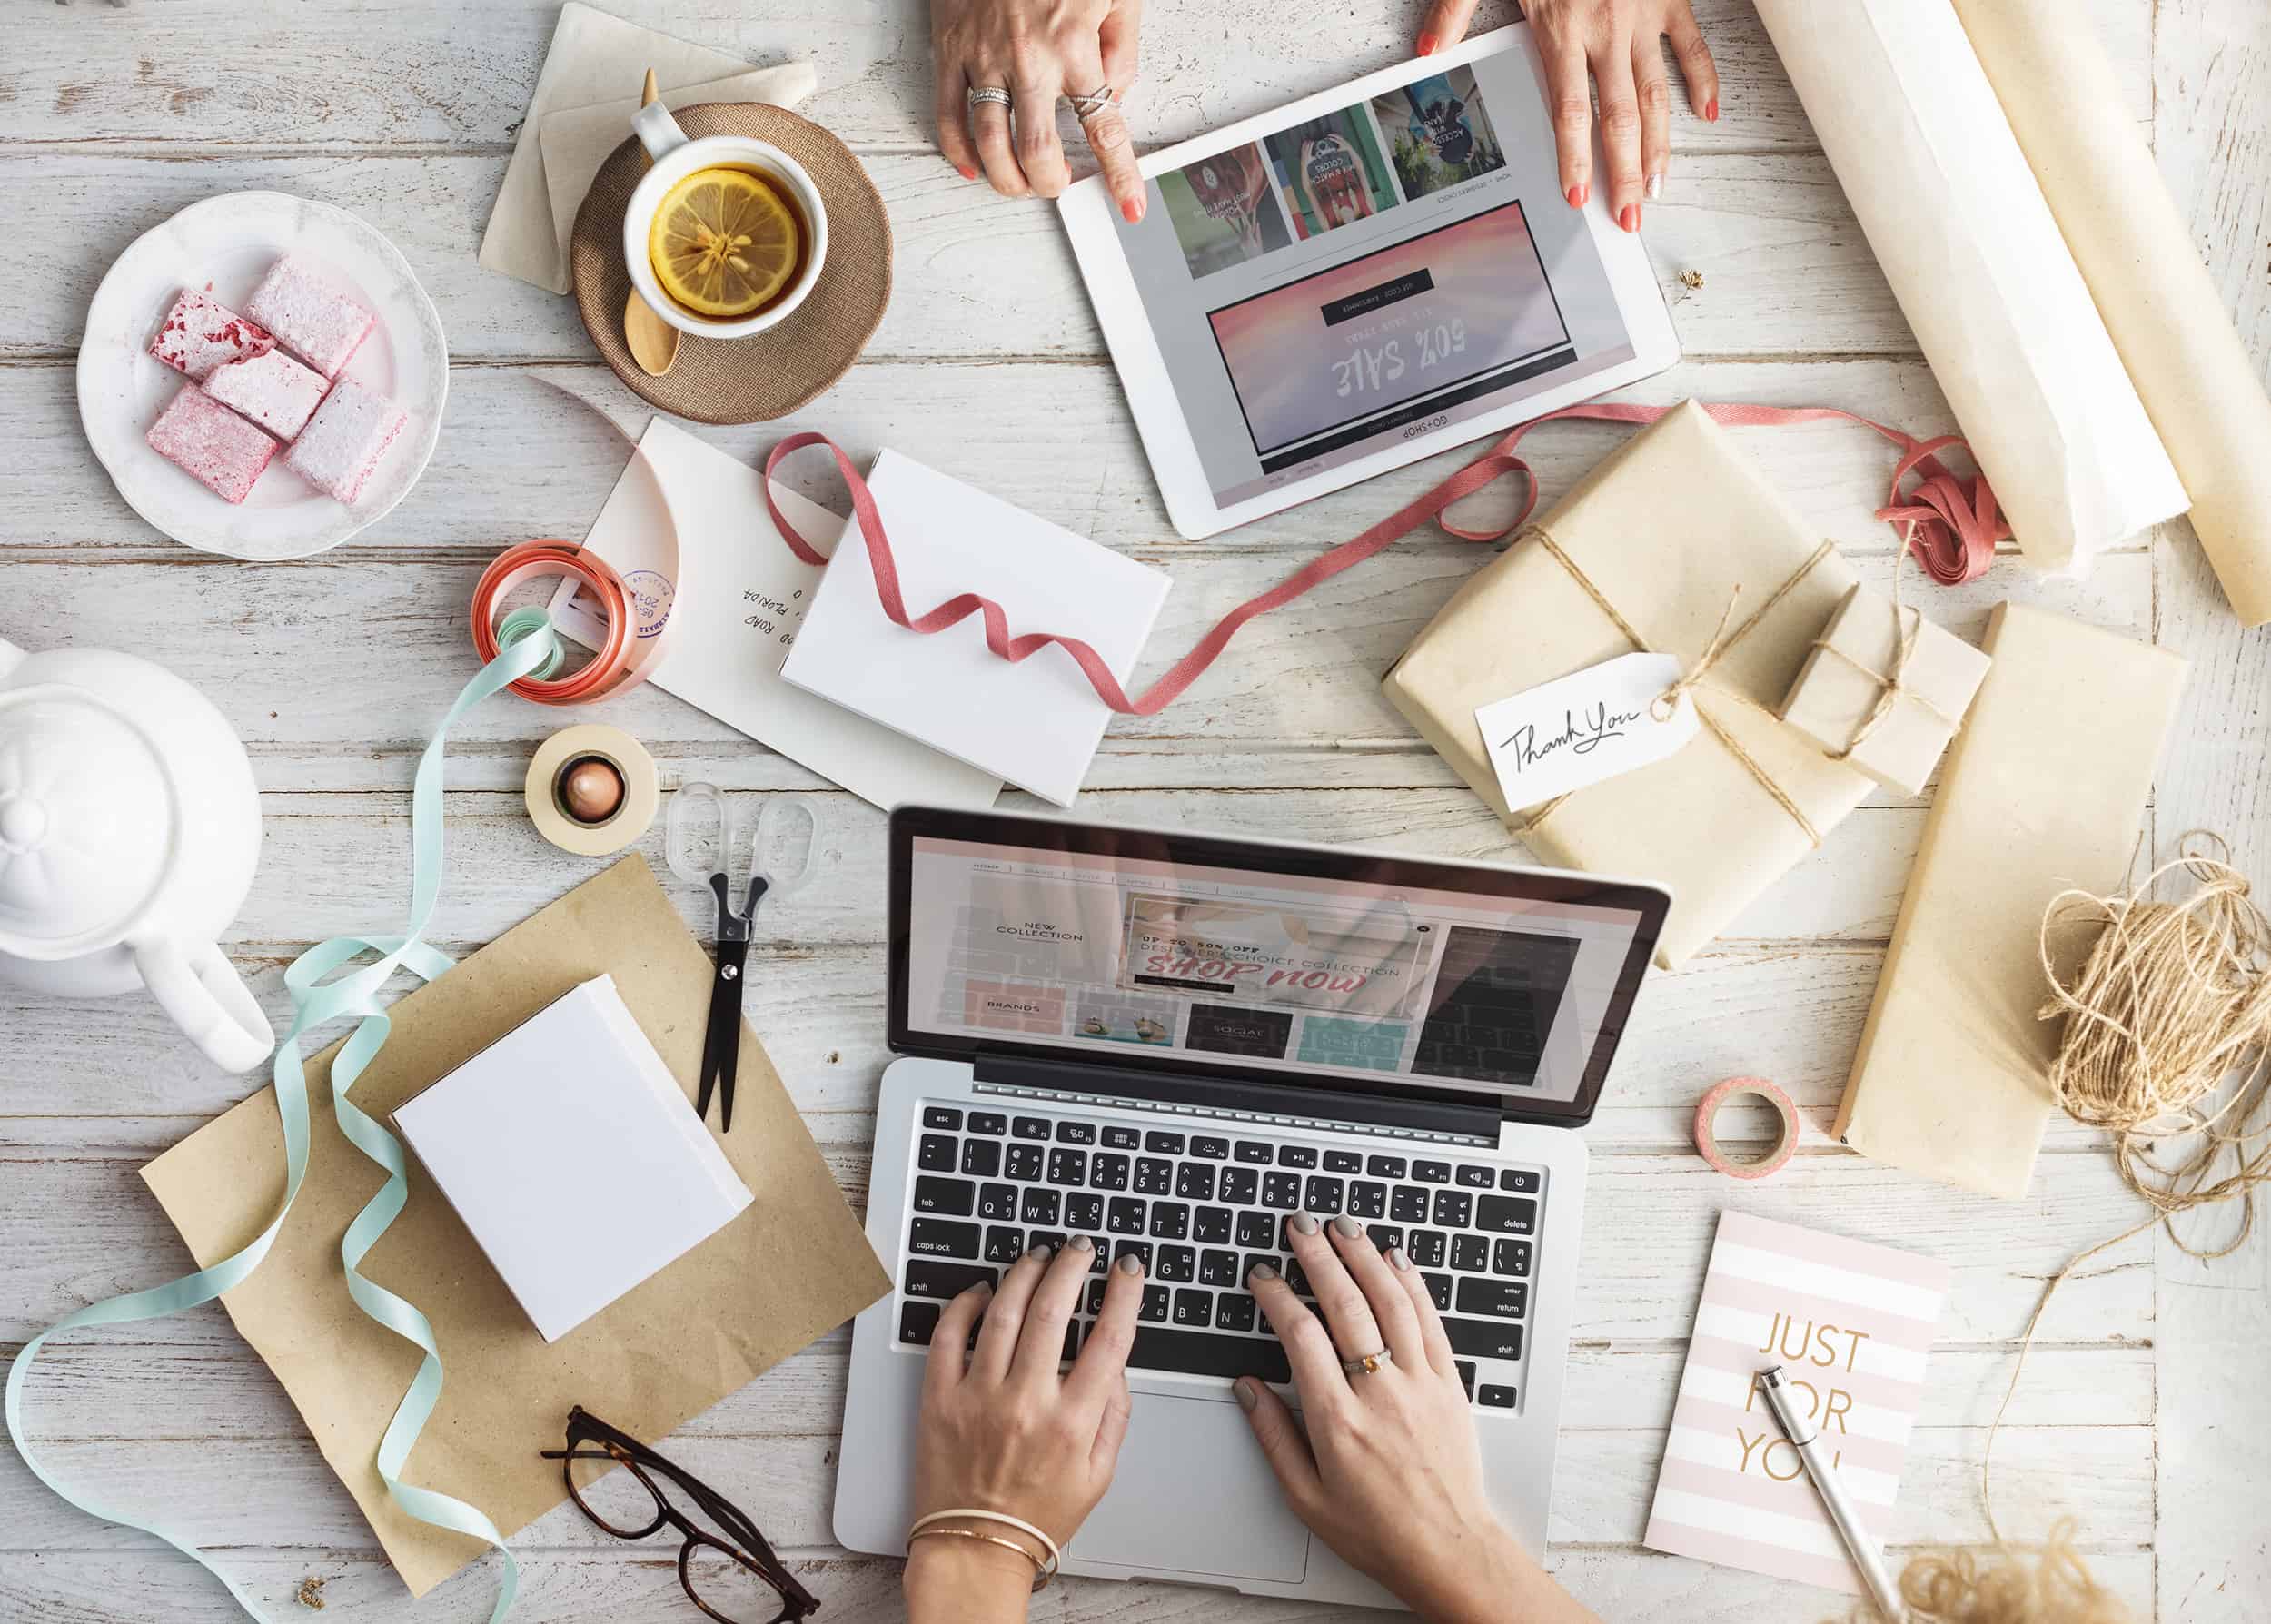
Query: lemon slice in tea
(723,243)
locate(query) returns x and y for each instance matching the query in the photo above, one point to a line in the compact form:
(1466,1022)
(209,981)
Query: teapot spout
(10,657)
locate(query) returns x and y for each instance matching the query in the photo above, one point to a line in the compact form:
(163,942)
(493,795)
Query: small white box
(573,1157)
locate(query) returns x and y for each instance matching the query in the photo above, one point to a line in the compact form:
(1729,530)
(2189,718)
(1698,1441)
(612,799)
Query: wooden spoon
(654,342)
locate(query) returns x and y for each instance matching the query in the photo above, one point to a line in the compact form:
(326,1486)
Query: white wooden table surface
(2145,1407)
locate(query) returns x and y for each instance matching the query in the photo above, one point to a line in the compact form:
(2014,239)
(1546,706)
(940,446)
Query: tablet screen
(1353,281)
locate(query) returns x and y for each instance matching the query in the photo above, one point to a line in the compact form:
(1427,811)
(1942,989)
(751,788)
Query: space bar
(1196,1354)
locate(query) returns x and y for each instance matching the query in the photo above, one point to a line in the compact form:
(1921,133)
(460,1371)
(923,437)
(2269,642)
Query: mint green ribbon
(529,645)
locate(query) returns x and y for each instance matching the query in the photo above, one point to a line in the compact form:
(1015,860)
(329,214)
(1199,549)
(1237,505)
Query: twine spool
(2167,1045)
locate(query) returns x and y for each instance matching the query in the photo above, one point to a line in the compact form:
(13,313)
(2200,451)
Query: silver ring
(1368,1364)
(1099,100)
(987,92)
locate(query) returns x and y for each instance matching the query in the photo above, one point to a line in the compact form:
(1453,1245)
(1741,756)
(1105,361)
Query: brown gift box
(1663,531)
(1867,705)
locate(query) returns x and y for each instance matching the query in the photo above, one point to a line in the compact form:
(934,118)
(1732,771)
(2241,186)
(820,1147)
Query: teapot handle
(207,1000)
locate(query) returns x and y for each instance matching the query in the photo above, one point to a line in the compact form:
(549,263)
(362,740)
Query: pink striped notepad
(1852,1325)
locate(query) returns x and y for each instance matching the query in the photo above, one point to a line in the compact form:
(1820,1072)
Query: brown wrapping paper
(2167,317)
(1665,529)
(2044,789)
(1840,700)
(791,1267)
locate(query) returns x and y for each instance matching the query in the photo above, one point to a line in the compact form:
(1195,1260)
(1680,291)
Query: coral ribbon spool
(1707,1142)
(619,663)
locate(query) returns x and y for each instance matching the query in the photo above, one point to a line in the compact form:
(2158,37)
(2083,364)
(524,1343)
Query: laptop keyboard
(1203,1210)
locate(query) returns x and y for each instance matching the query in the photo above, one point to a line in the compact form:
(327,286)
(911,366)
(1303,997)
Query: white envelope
(737,598)
(1036,723)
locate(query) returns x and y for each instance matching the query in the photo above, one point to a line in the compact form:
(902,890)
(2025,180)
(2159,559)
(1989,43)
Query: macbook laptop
(1173,1042)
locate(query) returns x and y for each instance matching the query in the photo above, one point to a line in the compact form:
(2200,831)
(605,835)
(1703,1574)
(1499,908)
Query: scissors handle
(722,1047)
(733,926)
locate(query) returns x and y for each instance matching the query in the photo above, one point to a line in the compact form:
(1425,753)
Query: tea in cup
(725,235)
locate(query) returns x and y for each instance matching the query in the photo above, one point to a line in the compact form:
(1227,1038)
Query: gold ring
(1368,1364)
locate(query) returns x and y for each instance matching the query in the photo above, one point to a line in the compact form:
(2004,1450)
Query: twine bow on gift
(1665,703)
(1891,686)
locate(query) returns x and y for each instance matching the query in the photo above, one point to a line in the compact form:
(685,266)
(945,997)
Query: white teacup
(676,157)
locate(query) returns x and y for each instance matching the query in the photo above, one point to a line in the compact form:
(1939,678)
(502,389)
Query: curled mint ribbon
(532,646)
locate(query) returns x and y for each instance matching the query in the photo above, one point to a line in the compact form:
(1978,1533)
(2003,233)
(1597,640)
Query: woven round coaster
(769,374)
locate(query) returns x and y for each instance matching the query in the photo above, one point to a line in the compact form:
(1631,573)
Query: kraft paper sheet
(2043,790)
(1666,529)
(1958,223)
(793,1267)
(2167,317)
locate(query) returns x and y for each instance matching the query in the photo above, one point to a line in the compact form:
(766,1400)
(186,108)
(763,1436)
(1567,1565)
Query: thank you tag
(1579,730)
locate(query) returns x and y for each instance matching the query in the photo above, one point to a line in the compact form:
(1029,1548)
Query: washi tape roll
(1707,1143)
(591,789)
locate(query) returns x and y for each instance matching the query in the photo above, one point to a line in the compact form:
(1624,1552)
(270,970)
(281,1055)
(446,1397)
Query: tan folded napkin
(594,58)
(575,143)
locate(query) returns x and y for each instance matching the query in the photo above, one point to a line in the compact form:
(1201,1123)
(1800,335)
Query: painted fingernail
(1305,1224)
(1655,186)
(1396,1256)
(1261,1272)
(1710,110)
(1426,45)
(1631,219)
(967,172)
(1247,1396)
(1578,195)
(1347,1227)
(1129,1263)
(1132,210)
(1081,1243)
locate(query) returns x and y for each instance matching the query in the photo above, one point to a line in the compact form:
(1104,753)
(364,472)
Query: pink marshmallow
(345,439)
(200,333)
(205,439)
(274,390)
(309,314)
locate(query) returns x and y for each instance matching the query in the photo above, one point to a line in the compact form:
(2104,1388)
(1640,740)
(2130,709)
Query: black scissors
(721,1045)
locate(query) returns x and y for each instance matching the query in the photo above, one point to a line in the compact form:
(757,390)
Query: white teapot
(129,830)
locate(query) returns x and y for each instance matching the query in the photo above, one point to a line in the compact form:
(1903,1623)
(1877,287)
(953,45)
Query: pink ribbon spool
(1707,1143)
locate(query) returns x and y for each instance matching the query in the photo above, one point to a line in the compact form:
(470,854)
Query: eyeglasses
(730,1573)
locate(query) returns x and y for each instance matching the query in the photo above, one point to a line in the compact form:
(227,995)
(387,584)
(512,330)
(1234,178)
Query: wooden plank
(640,1586)
(2212,71)
(419,74)
(1785,268)
(280,1495)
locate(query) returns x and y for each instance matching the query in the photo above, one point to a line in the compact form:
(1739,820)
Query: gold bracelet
(1042,1573)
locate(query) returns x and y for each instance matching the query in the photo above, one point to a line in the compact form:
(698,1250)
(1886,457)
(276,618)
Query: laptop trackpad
(1193,1494)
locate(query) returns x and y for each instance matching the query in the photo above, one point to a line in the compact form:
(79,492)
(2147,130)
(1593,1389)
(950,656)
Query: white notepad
(1036,723)
(573,1157)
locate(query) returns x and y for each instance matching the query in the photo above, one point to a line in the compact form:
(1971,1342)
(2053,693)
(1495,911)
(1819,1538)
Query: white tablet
(1359,280)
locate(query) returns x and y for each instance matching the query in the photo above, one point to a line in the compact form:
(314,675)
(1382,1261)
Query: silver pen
(1834,1500)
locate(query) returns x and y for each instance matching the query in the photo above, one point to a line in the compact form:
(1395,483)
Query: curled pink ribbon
(1952,524)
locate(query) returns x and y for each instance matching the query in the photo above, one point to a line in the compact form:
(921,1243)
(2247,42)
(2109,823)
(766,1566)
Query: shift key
(1476,1339)
(923,1278)
(942,1237)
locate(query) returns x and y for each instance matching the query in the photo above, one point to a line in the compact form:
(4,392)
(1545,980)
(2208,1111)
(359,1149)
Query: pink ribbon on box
(1952,524)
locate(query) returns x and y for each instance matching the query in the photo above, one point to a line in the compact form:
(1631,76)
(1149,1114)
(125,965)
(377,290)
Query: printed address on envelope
(1593,724)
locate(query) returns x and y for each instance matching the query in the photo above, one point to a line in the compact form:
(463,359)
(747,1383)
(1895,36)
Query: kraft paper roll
(1707,1142)
(642,789)
(1973,254)
(2167,317)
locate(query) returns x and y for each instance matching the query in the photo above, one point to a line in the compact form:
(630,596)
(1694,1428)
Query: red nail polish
(967,174)
(1631,219)
(1426,44)
(1132,210)
(1710,110)
(1578,195)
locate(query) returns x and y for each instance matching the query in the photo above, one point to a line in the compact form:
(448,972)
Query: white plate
(226,245)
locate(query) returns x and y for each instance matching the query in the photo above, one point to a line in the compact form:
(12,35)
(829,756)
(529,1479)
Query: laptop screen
(1345,969)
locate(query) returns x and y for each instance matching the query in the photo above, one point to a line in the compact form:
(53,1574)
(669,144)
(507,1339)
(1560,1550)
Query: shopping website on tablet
(1351,281)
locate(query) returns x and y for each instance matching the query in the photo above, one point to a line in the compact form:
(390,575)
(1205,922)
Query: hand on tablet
(1032,52)
(1617,42)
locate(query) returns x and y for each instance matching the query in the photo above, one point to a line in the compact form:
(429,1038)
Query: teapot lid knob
(86,823)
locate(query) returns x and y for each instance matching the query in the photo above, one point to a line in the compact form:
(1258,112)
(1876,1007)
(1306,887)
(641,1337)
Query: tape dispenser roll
(1706,1144)
(593,789)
